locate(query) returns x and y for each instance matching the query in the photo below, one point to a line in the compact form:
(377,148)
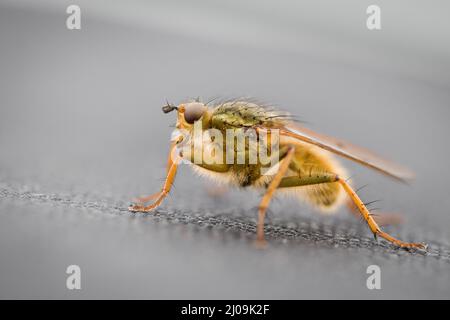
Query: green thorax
(244,114)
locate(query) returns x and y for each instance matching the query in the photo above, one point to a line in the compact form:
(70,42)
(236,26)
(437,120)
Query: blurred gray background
(82,132)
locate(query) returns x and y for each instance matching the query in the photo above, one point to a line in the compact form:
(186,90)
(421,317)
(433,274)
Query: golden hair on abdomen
(311,160)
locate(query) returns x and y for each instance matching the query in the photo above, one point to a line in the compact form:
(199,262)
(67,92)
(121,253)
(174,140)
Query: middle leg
(284,165)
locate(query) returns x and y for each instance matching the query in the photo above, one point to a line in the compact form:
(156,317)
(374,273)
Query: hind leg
(296,181)
(383,219)
(372,223)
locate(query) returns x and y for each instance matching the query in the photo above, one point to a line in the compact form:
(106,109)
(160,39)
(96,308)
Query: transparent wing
(349,151)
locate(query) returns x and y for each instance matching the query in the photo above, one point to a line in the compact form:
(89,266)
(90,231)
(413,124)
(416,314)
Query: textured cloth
(82,133)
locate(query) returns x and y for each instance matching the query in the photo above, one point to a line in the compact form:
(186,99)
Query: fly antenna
(168,107)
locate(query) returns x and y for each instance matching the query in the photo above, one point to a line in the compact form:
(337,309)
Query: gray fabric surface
(81,133)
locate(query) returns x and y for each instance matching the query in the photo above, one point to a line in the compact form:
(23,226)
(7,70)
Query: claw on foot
(138,208)
(420,246)
(400,243)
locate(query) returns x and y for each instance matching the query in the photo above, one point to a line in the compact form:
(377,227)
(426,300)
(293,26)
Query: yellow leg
(162,194)
(284,165)
(172,165)
(297,181)
(142,200)
(371,222)
(382,219)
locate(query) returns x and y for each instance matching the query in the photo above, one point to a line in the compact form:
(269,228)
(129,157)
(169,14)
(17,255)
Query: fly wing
(349,151)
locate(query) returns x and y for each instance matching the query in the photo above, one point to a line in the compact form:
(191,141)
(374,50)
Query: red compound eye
(193,111)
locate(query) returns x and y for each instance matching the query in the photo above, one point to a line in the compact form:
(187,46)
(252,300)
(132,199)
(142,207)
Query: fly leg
(143,200)
(297,181)
(383,219)
(161,195)
(172,165)
(371,222)
(284,165)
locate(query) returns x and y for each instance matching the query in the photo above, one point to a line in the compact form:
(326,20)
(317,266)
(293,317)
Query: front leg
(172,156)
(162,194)
(172,166)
